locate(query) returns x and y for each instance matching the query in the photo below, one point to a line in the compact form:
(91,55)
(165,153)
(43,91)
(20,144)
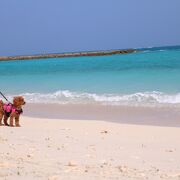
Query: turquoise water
(149,77)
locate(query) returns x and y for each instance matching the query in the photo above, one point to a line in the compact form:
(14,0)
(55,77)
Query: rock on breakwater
(73,54)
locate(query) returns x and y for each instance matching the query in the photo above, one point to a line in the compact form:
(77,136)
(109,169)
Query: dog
(11,110)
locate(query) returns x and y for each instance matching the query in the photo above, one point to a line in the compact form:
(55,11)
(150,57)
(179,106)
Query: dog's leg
(11,120)
(5,120)
(1,116)
(17,121)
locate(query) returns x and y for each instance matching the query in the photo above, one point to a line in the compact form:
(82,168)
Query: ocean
(150,77)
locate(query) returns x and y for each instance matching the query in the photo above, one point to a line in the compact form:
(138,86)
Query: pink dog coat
(8,108)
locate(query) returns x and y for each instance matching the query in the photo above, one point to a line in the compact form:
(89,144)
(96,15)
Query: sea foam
(153,98)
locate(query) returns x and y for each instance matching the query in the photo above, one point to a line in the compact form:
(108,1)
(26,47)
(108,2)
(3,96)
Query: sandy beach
(57,149)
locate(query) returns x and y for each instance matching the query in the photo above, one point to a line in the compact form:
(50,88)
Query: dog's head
(18,101)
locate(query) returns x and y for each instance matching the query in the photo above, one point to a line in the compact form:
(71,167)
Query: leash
(4,96)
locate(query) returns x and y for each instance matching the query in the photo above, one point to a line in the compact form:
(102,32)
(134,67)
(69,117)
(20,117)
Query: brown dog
(12,110)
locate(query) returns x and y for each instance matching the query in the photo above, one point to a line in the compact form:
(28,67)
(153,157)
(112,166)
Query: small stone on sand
(72,163)
(104,131)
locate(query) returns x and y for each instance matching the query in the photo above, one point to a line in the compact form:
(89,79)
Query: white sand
(83,150)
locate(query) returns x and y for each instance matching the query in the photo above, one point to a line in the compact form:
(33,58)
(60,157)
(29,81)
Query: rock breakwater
(61,55)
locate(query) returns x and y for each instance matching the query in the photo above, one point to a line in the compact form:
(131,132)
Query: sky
(56,26)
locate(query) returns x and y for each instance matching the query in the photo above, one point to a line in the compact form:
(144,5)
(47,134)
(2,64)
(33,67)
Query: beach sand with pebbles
(57,149)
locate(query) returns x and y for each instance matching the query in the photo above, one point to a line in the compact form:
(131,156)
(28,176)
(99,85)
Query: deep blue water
(144,76)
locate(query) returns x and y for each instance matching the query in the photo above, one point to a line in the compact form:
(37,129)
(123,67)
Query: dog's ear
(16,101)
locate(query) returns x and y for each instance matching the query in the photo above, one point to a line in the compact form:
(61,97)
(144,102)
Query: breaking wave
(137,99)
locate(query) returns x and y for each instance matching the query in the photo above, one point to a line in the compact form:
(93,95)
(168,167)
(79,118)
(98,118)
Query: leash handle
(3,96)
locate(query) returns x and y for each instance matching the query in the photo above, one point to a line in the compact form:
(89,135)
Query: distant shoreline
(73,54)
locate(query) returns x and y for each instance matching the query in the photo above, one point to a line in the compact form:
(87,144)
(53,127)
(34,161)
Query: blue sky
(52,26)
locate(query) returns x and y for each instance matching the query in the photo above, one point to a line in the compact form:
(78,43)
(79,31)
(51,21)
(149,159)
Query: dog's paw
(18,125)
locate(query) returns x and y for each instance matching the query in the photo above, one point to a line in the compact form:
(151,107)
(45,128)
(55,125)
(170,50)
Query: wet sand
(166,116)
